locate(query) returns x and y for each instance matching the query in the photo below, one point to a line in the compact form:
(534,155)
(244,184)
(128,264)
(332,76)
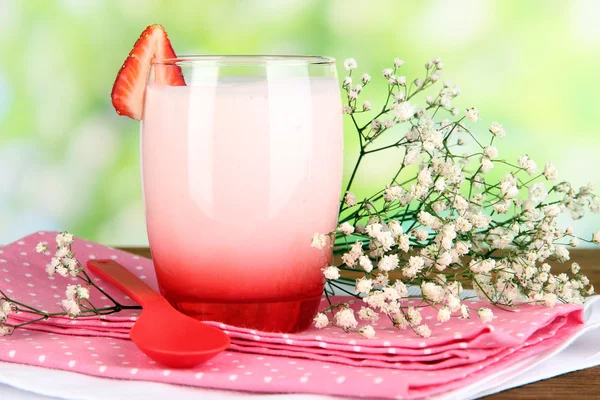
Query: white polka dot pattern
(324,361)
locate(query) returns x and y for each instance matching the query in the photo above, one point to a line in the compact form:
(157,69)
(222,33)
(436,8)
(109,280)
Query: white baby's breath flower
(485,314)
(549,299)
(444,314)
(331,272)
(320,320)
(423,331)
(350,64)
(527,164)
(550,171)
(376,125)
(452,300)
(350,199)
(365,78)
(64,239)
(357,249)
(364,285)
(480,221)
(538,192)
(63,252)
(71,307)
(491,152)
(395,228)
(497,130)
(319,241)
(445,101)
(482,266)
(83,292)
(403,111)
(462,225)
(432,291)
(368,314)
(71,292)
(400,321)
(366,105)
(412,156)
(346,228)
(387,72)
(425,218)
(472,114)
(398,62)
(367,331)
(415,265)
(72,265)
(460,203)
(345,318)
(40,248)
(62,271)
(486,165)
(508,187)
(420,234)
(561,253)
(403,242)
(414,316)
(55,262)
(502,206)
(462,247)
(5,310)
(401,288)
(596,237)
(443,260)
(464,312)
(375,300)
(50,269)
(388,262)
(347,109)
(365,263)
(552,210)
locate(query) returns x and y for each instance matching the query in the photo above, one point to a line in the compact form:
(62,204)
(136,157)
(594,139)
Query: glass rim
(245,60)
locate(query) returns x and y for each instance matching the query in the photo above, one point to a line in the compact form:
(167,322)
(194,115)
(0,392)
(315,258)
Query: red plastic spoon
(161,332)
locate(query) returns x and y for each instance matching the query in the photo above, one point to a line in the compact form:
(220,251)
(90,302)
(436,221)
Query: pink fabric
(395,364)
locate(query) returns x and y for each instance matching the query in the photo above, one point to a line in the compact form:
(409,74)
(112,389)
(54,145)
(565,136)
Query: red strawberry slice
(129,88)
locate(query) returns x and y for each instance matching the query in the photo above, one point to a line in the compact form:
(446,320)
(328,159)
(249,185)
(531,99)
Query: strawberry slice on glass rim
(130,85)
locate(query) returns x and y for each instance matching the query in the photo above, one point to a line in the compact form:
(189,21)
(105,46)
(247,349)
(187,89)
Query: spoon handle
(127,282)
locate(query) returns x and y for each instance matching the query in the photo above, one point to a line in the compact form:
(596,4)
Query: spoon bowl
(161,332)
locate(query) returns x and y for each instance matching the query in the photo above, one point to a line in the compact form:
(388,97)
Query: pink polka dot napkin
(394,364)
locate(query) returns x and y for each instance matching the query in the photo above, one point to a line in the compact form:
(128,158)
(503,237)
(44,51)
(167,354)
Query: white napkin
(35,383)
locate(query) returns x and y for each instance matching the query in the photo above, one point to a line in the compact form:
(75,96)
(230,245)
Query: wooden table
(584,384)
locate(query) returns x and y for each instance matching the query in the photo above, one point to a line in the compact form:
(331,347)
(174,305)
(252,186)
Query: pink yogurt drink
(239,172)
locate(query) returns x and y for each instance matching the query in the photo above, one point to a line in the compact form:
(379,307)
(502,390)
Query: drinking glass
(241,166)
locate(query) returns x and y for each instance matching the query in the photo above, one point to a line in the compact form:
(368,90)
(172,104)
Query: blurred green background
(68,162)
